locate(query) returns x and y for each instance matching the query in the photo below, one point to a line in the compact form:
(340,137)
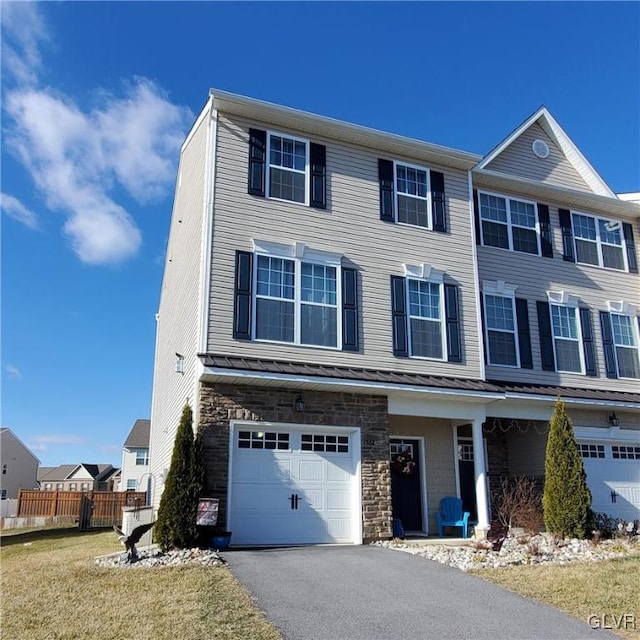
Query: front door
(406,498)
(467,475)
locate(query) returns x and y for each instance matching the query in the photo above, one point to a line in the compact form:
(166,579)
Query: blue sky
(97,97)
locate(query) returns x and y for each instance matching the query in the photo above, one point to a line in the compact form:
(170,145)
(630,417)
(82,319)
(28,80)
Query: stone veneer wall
(221,403)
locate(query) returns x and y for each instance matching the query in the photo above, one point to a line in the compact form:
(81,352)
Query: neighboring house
(78,477)
(135,458)
(334,296)
(19,465)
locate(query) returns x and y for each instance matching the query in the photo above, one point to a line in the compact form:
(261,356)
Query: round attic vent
(540,148)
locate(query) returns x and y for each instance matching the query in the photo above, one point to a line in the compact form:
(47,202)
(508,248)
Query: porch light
(613,420)
(298,404)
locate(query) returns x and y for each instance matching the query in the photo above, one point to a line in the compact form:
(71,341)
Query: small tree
(566,499)
(176,523)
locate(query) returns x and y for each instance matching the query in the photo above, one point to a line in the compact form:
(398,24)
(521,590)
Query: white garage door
(613,476)
(293,485)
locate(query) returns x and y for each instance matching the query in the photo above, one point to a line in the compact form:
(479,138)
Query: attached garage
(613,473)
(294,484)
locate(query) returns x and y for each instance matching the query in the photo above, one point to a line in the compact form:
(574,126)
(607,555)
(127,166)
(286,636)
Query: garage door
(294,485)
(613,476)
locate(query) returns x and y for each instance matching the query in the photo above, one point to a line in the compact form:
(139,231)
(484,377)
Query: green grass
(581,589)
(53,590)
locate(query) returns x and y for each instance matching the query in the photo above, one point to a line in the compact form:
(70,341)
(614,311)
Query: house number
(369,443)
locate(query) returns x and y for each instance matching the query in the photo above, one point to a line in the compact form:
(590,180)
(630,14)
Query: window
(591,450)
(296,302)
(287,168)
(599,241)
(60,486)
(142,457)
(566,338)
(132,485)
(500,320)
(48,486)
(85,486)
(412,195)
(73,486)
(426,335)
(263,440)
(4,469)
(3,494)
(625,453)
(625,342)
(508,223)
(324,442)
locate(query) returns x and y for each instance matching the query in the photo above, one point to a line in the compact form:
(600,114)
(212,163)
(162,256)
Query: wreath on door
(403,464)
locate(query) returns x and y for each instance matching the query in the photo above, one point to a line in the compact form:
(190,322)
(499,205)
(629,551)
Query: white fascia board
(333,128)
(403,405)
(604,404)
(612,434)
(633,196)
(349,385)
(574,198)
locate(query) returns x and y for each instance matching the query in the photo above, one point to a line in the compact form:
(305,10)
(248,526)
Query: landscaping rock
(155,558)
(519,550)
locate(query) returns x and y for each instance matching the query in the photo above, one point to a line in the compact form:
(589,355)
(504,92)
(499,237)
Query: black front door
(467,475)
(406,499)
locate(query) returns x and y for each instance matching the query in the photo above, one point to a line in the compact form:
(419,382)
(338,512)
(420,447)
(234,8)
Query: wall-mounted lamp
(298,404)
(613,420)
(179,363)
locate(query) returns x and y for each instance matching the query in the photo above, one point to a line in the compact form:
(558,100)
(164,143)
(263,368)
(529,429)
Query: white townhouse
(19,465)
(335,296)
(135,474)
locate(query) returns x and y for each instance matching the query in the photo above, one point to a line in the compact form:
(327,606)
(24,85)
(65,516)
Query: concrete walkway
(372,593)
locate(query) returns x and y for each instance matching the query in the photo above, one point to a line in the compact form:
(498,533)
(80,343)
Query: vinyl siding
(519,160)
(22,465)
(534,276)
(351,226)
(178,324)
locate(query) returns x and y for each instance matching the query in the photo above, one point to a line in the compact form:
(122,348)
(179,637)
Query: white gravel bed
(520,550)
(155,558)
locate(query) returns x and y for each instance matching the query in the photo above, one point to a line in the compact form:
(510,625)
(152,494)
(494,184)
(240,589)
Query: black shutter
(567,235)
(546,336)
(242,302)
(257,159)
(545,231)
(349,310)
(318,161)
(588,344)
(385,176)
(399,316)
(454,346)
(438,201)
(627,232)
(524,334)
(476,215)
(485,333)
(608,346)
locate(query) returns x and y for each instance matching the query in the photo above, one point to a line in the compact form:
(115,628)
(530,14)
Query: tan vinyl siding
(518,159)
(177,330)
(351,226)
(534,276)
(600,418)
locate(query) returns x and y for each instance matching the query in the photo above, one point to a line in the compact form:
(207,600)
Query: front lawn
(51,589)
(595,592)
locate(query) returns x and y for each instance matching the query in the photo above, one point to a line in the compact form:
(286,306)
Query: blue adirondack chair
(451,515)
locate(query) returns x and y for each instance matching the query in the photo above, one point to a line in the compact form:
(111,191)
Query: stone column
(480,469)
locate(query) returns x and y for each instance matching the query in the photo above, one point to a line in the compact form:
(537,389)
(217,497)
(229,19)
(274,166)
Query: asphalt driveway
(372,593)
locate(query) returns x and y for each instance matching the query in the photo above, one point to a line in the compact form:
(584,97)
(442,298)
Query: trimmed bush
(566,499)
(176,523)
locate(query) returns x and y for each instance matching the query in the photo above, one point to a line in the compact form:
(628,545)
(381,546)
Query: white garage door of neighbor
(613,476)
(293,485)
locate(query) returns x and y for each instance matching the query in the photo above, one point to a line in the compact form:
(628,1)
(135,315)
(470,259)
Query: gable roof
(65,471)
(5,432)
(571,152)
(59,473)
(138,437)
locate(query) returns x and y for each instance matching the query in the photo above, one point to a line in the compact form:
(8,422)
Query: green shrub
(566,499)
(176,523)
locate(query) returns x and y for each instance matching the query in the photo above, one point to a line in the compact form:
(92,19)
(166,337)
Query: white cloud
(16,210)
(13,372)
(43,443)
(78,158)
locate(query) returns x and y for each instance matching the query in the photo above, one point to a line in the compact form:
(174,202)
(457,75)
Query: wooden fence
(89,508)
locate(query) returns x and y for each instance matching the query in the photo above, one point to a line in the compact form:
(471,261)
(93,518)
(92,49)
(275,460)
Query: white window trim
(565,299)
(298,253)
(307,171)
(599,242)
(633,322)
(396,194)
(434,277)
(510,224)
(500,289)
